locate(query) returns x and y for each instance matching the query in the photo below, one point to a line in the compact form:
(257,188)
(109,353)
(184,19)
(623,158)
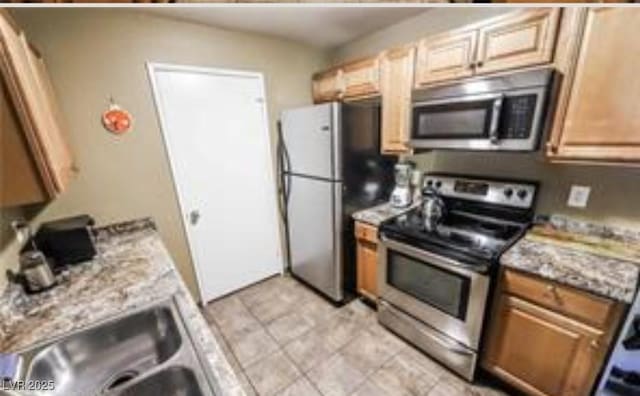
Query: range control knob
(429,183)
(438,184)
(522,194)
(508,192)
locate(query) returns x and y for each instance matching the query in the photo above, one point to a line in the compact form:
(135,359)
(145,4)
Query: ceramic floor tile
(309,350)
(336,377)
(274,304)
(342,350)
(232,317)
(367,352)
(339,330)
(453,388)
(402,376)
(370,389)
(316,310)
(272,374)
(289,327)
(302,387)
(252,347)
(360,311)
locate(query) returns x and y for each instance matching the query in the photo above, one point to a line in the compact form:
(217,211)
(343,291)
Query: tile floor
(283,339)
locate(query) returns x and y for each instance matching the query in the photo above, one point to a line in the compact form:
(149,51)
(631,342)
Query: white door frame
(152,68)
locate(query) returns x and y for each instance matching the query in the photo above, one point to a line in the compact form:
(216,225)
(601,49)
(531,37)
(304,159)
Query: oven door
(440,292)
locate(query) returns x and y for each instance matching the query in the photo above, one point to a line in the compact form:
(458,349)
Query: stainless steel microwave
(502,113)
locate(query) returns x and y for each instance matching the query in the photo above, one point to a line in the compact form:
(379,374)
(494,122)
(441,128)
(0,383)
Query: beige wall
(95,53)
(615,190)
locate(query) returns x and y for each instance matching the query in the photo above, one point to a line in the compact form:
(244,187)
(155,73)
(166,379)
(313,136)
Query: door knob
(194,216)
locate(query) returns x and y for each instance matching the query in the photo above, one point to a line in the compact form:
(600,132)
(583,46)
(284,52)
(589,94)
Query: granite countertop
(377,214)
(132,270)
(596,258)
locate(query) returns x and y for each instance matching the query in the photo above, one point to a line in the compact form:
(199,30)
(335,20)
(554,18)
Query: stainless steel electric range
(434,281)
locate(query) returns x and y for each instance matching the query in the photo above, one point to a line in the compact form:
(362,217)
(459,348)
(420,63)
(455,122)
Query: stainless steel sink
(148,352)
(174,381)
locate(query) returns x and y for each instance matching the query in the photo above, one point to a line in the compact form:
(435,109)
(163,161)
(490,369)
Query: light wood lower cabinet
(367,260)
(598,117)
(396,83)
(27,87)
(535,342)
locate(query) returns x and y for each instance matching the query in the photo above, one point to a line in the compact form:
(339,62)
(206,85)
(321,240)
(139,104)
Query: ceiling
(320,27)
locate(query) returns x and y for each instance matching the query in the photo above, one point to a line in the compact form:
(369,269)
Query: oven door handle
(495,119)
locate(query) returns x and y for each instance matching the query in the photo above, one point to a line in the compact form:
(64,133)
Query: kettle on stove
(433,208)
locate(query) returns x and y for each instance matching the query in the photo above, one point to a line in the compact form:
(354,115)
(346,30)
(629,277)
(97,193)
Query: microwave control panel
(517,116)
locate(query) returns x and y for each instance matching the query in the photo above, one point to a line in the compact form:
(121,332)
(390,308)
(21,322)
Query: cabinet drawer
(366,232)
(580,305)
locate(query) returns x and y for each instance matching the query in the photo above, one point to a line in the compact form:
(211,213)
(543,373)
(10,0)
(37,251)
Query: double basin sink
(147,352)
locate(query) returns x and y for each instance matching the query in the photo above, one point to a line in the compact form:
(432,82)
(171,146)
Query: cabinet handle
(595,344)
(479,64)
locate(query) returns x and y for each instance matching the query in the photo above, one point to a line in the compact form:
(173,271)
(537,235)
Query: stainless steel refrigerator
(330,166)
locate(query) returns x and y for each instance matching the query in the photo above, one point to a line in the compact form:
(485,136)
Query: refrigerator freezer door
(312,139)
(315,234)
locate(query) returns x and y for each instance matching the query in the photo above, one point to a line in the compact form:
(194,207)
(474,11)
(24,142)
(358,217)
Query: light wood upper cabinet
(327,86)
(548,339)
(361,78)
(396,84)
(446,57)
(29,88)
(524,39)
(516,40)
(598,116)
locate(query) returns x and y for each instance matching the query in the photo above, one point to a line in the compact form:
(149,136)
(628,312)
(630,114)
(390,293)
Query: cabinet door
(446,57)
(327,86)
(361,78)
(20,181)
(396,83)
(599,119)
(541,352)
(32,95)
(367,263)
(523,39)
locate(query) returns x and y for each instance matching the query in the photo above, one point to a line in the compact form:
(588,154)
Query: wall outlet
(579,196)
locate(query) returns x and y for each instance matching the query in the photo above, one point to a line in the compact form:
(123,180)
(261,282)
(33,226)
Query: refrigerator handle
(284,164)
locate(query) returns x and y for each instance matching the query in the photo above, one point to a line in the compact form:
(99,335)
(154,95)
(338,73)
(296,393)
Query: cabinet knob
(479,64)
(595,344)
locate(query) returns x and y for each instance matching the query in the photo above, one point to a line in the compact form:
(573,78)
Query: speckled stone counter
(377,214)
(591,257)
(132,270)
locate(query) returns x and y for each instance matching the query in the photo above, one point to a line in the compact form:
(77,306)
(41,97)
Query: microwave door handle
(495,118)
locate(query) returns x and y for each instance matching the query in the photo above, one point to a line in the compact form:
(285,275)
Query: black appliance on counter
(65,241)
(436,279)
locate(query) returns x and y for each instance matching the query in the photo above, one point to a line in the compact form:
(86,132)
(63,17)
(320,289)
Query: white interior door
(216,132)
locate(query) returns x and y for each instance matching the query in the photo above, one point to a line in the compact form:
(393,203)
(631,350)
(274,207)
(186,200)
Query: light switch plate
(579,196)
